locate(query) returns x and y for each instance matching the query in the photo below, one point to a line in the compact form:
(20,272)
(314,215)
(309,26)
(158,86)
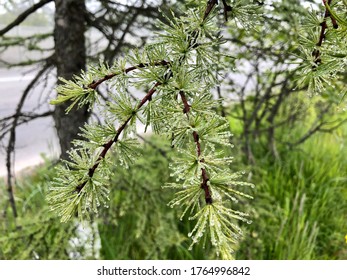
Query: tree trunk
(70,59)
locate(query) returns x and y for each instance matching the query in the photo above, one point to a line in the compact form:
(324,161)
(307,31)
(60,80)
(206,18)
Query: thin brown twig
(316,127)
(204,176)
(95,84)
(12,139)
(204,184)
(6,125)
(316,52)
(109,144)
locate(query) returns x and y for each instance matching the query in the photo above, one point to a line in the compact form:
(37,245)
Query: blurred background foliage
(291,143)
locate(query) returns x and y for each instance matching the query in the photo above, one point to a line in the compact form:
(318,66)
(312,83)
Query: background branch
(23,16)
(12,138)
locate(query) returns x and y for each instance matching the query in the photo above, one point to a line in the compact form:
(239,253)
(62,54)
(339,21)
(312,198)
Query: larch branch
(109,144)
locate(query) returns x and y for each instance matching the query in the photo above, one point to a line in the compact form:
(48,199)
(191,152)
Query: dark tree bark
(70,54)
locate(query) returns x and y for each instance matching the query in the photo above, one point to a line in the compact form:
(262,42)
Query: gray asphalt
(37,137)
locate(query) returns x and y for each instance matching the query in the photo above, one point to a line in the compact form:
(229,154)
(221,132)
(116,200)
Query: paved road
(35,138)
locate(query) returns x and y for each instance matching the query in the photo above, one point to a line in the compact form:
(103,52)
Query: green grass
(300,209)
(36,233)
